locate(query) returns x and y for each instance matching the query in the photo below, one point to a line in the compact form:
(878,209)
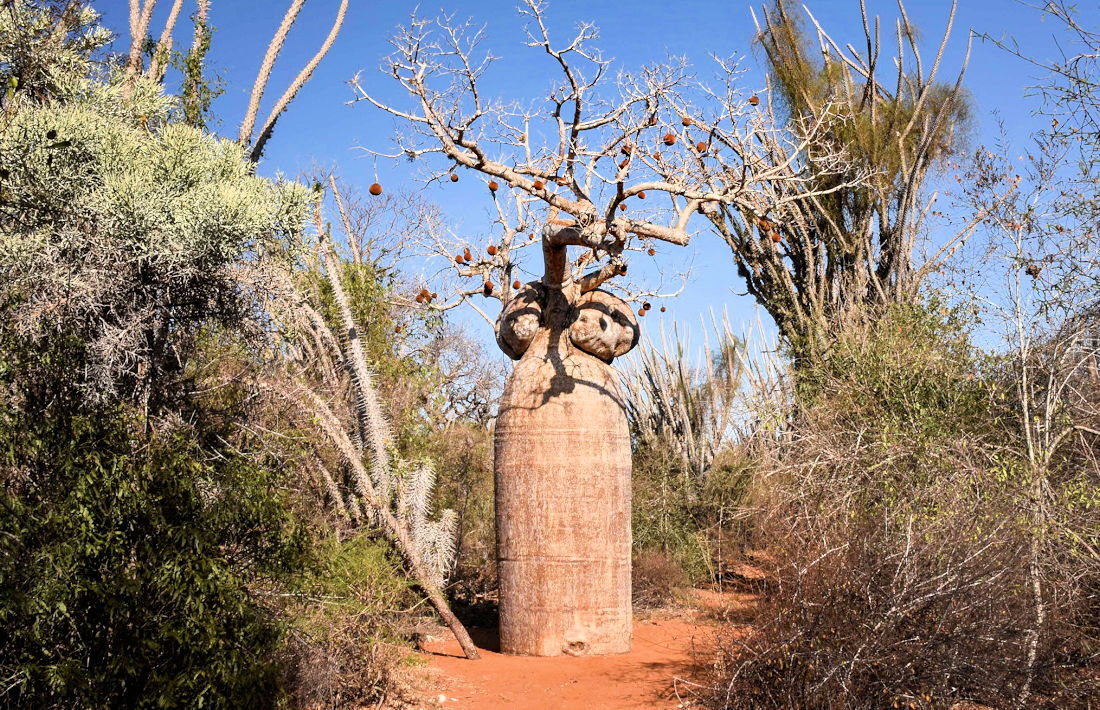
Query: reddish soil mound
(665,653)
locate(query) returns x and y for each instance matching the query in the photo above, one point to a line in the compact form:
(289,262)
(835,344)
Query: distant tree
(829,245)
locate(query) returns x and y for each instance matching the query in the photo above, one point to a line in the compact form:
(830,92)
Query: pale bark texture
(580,165)
(563,504)
(563,471)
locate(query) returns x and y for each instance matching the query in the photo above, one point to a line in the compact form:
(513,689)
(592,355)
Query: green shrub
(464,455)
(149,539)
(666,522)
(347,647)
(689,520)
(126,565)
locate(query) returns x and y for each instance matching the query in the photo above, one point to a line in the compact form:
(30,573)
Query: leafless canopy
(580,162)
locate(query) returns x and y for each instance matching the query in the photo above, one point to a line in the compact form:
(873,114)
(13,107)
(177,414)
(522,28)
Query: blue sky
(320,128)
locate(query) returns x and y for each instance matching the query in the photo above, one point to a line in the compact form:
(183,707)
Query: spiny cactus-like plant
(695,406)
(686,406)
(434,540)
(382,490)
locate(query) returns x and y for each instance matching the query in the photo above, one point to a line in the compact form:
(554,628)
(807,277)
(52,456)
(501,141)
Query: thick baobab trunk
(563,473)
(563,505)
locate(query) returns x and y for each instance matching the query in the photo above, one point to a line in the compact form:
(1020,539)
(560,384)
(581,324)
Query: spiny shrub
(893,509)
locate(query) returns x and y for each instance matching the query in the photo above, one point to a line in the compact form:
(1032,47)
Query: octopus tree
(572,173)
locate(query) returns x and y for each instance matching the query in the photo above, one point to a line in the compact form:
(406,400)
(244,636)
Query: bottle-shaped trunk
(563,473)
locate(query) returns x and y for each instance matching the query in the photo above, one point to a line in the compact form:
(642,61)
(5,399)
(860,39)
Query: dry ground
(672,649)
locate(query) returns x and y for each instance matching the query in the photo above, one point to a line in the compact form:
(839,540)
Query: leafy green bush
(132,233)
(127,565)
(347,648)
(666,522)
(466,485)
(689,477)
(140,530)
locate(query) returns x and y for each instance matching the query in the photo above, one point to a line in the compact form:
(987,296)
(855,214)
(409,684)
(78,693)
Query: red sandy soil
(669,648)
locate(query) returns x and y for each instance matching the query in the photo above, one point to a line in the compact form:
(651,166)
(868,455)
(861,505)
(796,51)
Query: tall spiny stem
(266,66)
(374,486)
(297,84)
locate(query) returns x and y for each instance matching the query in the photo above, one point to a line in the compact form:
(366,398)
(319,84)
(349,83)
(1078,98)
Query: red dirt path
(666,651)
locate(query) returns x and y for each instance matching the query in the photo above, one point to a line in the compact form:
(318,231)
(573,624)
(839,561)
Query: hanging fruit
(562,181)
(622,207)
(492,250)
(459,259)
(765,225)
(651,251)
(657,155)
(454,177)
(375,189)
(467,255)
(701,147)
(653,120)
(538,184)
(776,238)
(662,309)
(626,148)
(646,306)
(641,195)
(686,121)
(754,100)
(624,163)
(516,284)
(434,295)
(669,138)
(488,287)
(641,311)
(493,186)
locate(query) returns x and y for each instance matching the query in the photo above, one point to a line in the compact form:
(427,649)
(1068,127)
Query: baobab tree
(576,170)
